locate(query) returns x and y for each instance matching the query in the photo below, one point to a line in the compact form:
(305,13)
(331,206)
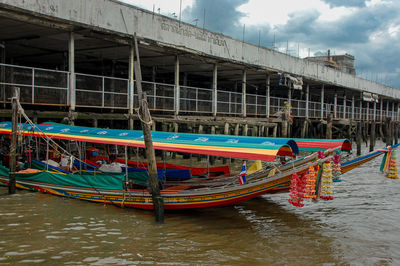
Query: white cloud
(376,2)
(277,13)
(394,30)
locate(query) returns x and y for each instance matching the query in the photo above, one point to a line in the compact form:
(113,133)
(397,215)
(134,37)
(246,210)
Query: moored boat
(122,190)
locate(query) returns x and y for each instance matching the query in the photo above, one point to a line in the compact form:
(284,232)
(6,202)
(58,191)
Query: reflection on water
(360,226)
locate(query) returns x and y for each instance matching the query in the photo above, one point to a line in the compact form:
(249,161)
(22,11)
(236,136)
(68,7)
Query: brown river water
(361,226)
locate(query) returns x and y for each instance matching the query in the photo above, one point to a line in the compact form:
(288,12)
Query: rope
(48,140)
(145,103)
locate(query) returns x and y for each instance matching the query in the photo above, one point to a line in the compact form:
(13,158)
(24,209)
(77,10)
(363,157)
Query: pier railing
(37,85)
(52,87)
(100,91)
(229,102)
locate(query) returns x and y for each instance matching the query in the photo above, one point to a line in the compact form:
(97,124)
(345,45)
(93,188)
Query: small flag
(242,175)
(255,167)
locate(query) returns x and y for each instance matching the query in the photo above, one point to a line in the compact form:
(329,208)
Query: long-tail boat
(116,188)
(360,160)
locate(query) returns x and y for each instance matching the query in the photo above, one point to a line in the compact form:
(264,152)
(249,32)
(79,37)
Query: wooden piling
(35,118)
(226,128)
(388,132)
(303,133)
(266,132)
(200,131)
(245,129)
(213,130)
(13,148)
(212,158)
(349,130)
(176,129)
(274,131)
(237,126)
(261,131)
(284,132)
(158,201)
(358,138)
(320,129)
(254,131)
(164,127)
(372,136)
(381,131)
(226,132)
(329,124)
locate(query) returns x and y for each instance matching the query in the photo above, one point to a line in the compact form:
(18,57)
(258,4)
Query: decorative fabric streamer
(336,167)
(326,181)
(296,191)
(389,163)
(310,182)
(392,172)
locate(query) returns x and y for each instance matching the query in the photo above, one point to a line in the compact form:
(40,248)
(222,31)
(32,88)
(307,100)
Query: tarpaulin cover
(216,145)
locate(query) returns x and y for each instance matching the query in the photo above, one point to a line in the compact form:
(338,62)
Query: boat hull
(173,199)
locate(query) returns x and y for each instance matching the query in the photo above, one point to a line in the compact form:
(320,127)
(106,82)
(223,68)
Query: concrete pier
(73,61)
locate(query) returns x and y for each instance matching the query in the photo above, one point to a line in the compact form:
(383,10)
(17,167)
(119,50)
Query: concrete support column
(344,105)
(322,100)
(392,110)
(381,107)
(352,108)
(307,100)
(387,109)
(214,88)
(367,113)
(335,106)
(244,111)
(177,88)
(71,66)
(268,94)
(131,85)
(361,105)
(374,110)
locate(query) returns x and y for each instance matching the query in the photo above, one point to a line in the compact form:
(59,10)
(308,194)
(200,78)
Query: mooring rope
(48,140)
(147,113)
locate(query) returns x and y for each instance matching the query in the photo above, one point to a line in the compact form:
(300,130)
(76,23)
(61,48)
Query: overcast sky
(368,30)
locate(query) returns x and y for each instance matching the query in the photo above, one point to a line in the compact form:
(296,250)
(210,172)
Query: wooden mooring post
(372,136)
(329,125)
(304,129)
(358,138)
(284,132)
(158,201)
(389,137)
(13,148)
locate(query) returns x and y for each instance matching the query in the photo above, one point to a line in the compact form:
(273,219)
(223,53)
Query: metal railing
(52,87)
(160,96)
(256,104)
(195,100)
(37,85)
(229,102)
(101,91)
